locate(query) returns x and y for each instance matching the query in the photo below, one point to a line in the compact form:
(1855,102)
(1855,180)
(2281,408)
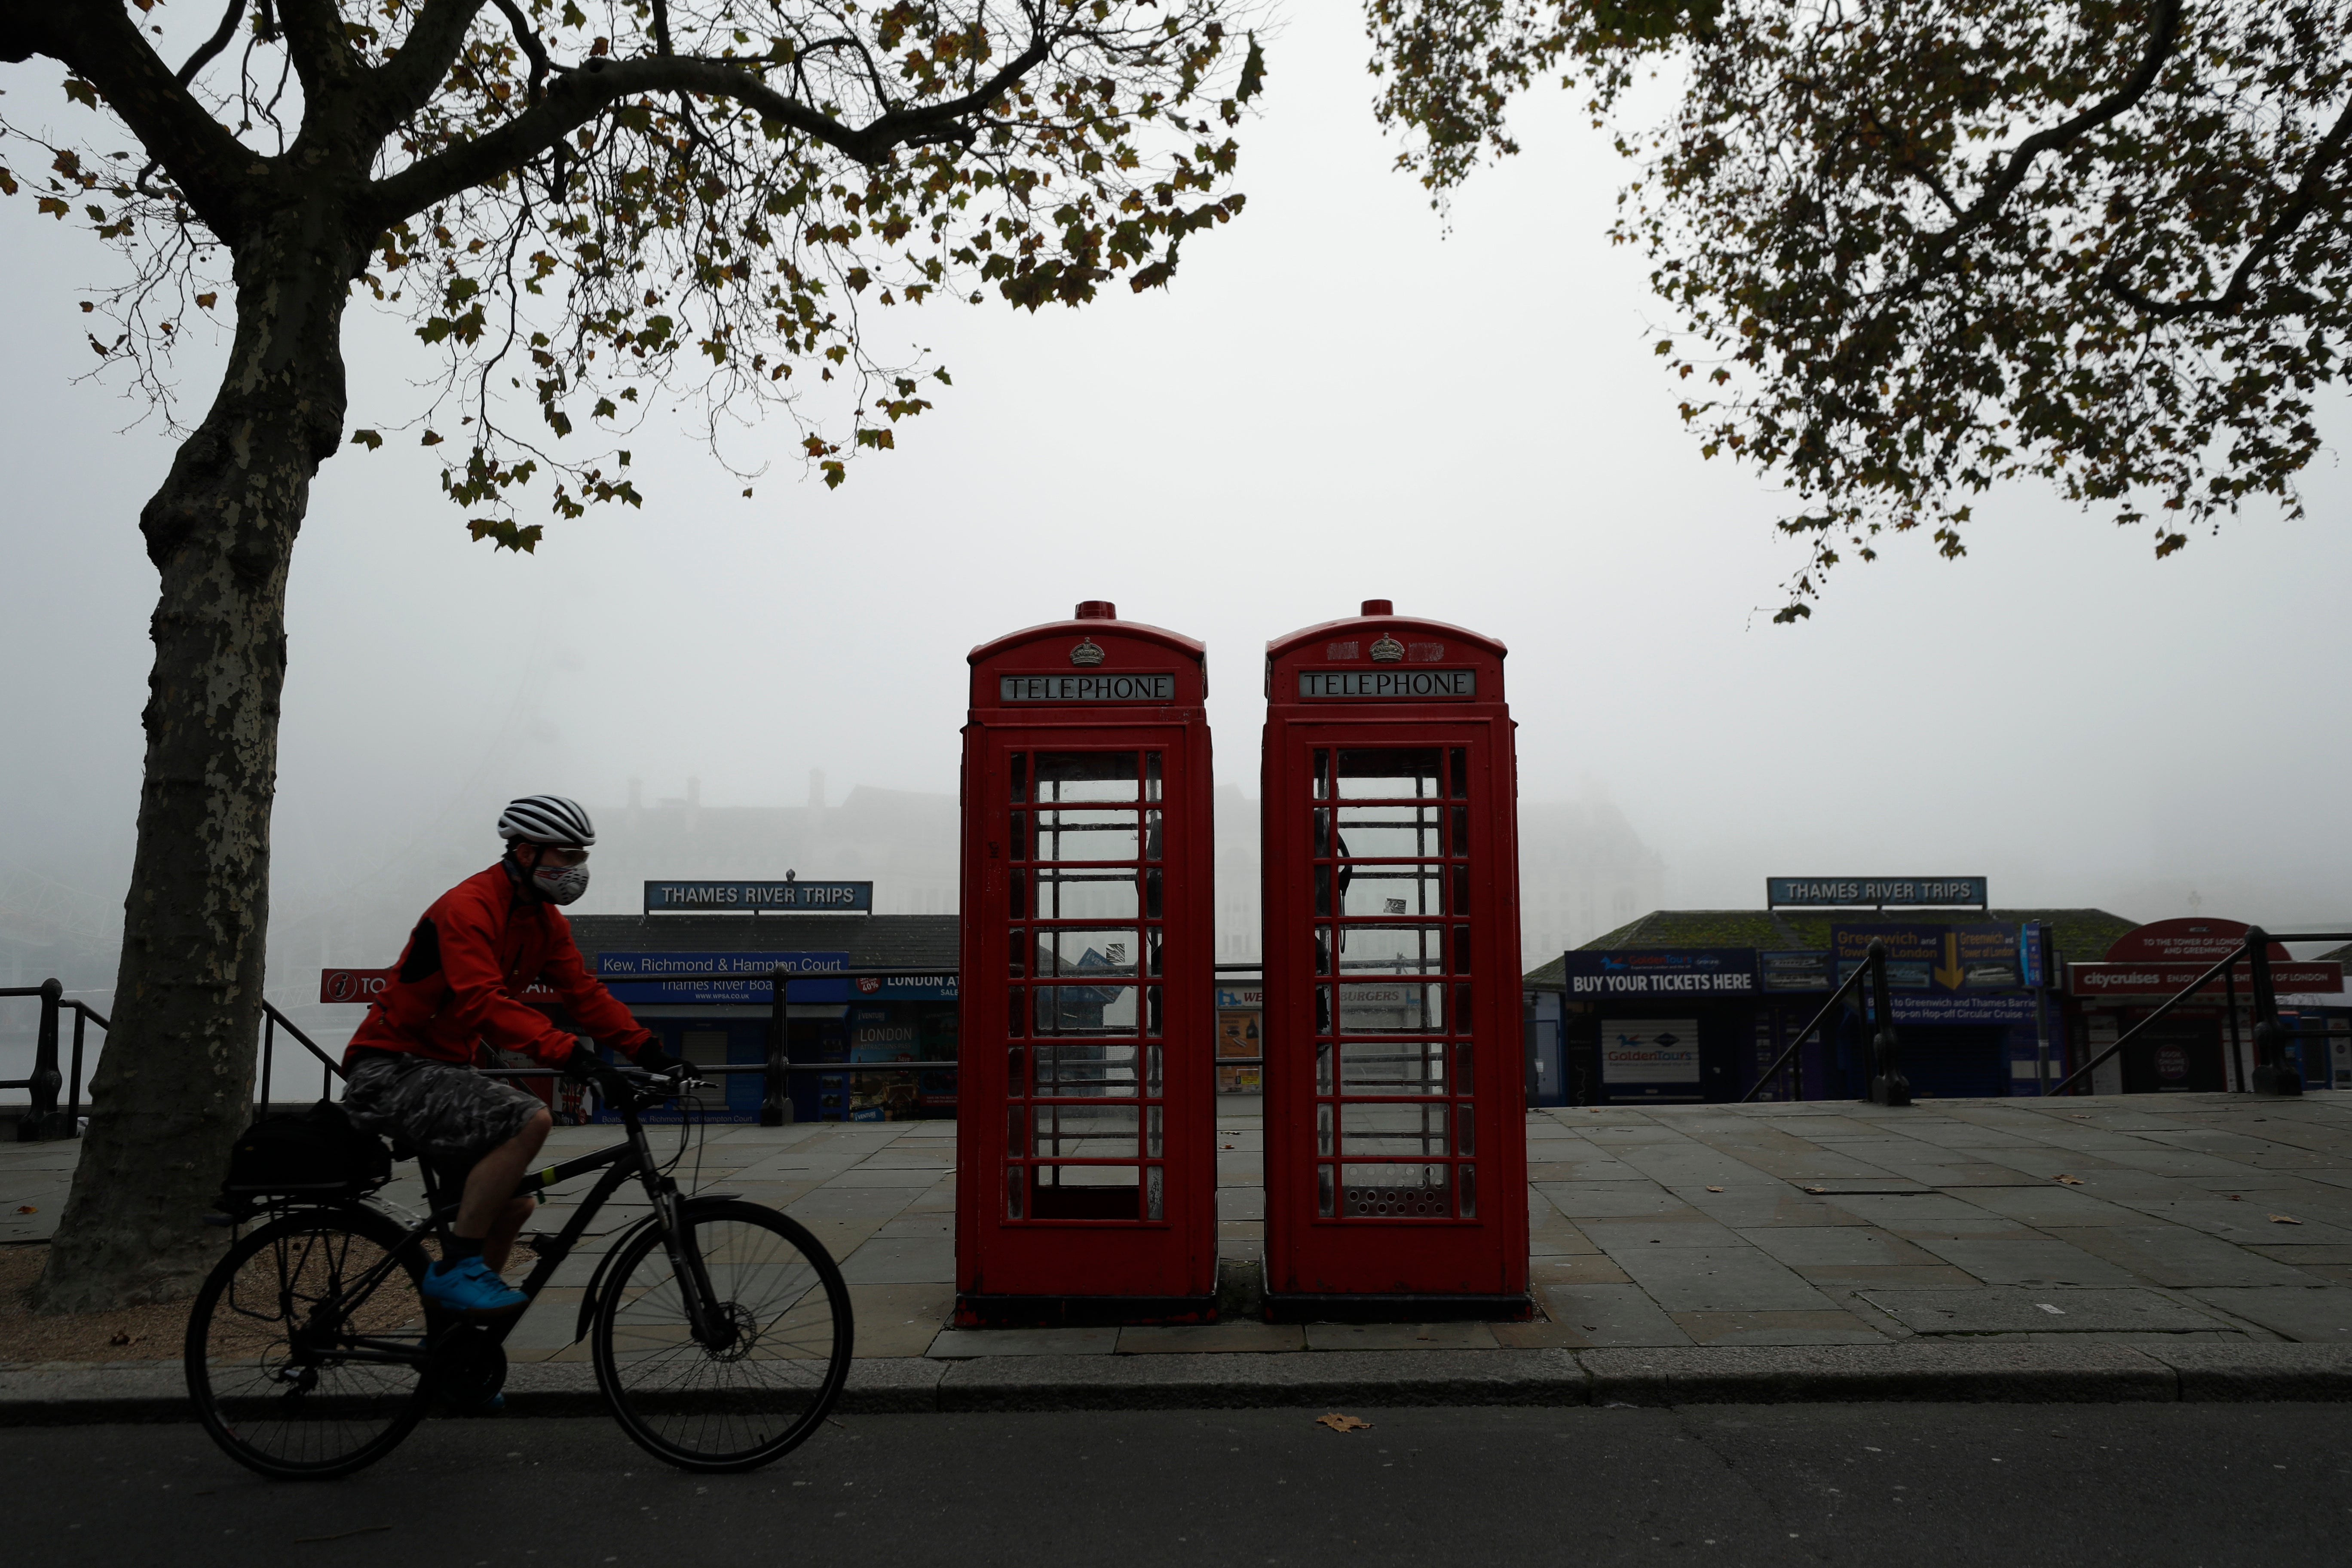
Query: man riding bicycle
(459,985)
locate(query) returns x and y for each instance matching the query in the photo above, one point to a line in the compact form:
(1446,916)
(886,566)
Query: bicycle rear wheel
(786,1340)
(298,1366)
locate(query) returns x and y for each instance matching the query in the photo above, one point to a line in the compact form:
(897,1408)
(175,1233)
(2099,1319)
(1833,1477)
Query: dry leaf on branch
(1339,1423)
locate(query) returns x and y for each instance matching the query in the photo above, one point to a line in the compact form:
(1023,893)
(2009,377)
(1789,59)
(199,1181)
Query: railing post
(1887,1084)
(269,1048)
(2274,1074)
(776,1089)
(73,1079)
(41,1115)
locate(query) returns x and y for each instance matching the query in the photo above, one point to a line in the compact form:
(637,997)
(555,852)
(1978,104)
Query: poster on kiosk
(1085,1167)
(1395,1115)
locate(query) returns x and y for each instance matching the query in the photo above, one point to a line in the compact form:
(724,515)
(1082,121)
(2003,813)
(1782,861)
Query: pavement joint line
(79,1394)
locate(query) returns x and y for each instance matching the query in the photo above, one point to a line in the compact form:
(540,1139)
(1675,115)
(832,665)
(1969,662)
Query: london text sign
(1875,892)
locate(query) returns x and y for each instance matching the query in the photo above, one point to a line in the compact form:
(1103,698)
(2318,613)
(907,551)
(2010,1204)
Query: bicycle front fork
(714,1328)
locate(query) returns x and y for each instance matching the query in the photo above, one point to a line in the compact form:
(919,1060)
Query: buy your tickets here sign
(1690,972)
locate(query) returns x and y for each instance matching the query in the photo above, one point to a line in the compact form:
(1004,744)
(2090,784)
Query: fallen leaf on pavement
(2069,1180)
(27,1208)
(1339,1423)
(1715,1189)
(341,1534)
(2237,1197)
(2285,1219)
(1817,1189)
(123,1337)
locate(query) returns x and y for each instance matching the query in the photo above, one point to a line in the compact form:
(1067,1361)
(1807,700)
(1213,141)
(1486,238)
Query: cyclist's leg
(489,1211)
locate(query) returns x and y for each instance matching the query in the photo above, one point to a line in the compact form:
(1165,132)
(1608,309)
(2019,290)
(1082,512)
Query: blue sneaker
(471,1287)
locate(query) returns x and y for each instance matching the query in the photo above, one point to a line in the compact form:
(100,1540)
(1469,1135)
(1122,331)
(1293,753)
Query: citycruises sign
(1875,892)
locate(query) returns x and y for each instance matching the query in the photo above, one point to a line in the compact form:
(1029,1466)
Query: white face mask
(559,884)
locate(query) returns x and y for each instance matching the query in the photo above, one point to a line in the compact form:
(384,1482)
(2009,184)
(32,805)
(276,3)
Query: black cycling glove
(589,1068)
(651,1058)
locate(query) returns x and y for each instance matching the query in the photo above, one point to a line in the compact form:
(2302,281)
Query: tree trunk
(175,1086)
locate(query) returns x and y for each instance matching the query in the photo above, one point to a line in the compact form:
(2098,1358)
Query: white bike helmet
(547,819)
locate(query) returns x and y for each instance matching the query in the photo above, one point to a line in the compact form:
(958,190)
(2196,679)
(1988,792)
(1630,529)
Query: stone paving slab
(2000,1312)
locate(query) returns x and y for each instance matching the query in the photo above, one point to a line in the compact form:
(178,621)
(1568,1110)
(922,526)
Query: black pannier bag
(314,1153)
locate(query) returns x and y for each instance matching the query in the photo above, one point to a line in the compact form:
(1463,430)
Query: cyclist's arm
(479,1003)
(596,1010)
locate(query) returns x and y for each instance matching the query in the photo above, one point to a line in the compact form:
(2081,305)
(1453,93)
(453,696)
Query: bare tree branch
(96,40)
(581,95)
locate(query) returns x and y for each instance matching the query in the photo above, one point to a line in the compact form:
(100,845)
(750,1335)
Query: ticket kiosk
(1086,1166)
(1395,1106)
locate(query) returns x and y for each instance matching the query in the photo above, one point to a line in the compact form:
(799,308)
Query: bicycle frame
(632,1157)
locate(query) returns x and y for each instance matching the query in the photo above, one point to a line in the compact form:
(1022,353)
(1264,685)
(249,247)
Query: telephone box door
(1395,1111)
(1086,1179)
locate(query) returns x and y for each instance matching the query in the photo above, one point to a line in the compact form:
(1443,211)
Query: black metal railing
(2274,1074)
(1888,1086)
(44,1118)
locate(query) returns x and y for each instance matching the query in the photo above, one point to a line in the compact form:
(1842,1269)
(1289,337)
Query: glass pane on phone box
(1087,835)
(1371,774)
(1074,950)
(1086,1009)
(1086,1132)
(1391,950)
(1391,1008)
(1395,1192)
(1094,1070)
(1378,891)
(1391,832)
(1086,775)
(1086,895)
(1405,1066)
(1398,1130)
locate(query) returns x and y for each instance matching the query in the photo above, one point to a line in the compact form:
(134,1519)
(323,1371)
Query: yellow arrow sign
(1949,973)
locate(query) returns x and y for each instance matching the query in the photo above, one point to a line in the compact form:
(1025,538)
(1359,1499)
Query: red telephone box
(1085,1164)
(1395,1106)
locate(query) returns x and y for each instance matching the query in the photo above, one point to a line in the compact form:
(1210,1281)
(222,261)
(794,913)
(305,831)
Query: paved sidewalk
(2122,1222)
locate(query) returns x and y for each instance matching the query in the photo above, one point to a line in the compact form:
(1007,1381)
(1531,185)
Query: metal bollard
(1887,1084)
(42,1119)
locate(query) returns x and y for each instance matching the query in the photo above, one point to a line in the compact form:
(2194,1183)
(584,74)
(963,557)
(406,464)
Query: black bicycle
(720,1330)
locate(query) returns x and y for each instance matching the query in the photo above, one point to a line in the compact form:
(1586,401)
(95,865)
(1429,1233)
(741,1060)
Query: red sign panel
(2183,941)
(369,984)
(352,984)
(2165,979)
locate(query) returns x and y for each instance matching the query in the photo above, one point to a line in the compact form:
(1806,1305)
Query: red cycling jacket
(462,975)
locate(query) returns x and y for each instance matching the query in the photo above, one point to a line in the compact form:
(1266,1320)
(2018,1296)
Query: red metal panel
(1395,1114)
(1086,1162)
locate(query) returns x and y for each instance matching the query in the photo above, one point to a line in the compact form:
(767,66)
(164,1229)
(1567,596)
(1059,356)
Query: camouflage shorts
(451,1115)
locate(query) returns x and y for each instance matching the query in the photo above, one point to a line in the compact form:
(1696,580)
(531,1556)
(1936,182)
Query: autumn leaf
(206,301)
(1339,1423)
(431,438)
(2285,1219)
(368,439)
(2069,1180)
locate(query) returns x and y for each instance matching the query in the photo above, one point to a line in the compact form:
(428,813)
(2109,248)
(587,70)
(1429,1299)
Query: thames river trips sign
(766,898)
(1875,892)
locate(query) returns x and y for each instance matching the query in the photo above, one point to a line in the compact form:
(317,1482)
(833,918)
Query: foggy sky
(1343,395)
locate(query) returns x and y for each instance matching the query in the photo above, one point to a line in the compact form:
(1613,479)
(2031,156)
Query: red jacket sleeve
(478,1001)
(592,1006)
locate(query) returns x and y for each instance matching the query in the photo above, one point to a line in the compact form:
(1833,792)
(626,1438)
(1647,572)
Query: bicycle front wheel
(304,1351)
(770,1369)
